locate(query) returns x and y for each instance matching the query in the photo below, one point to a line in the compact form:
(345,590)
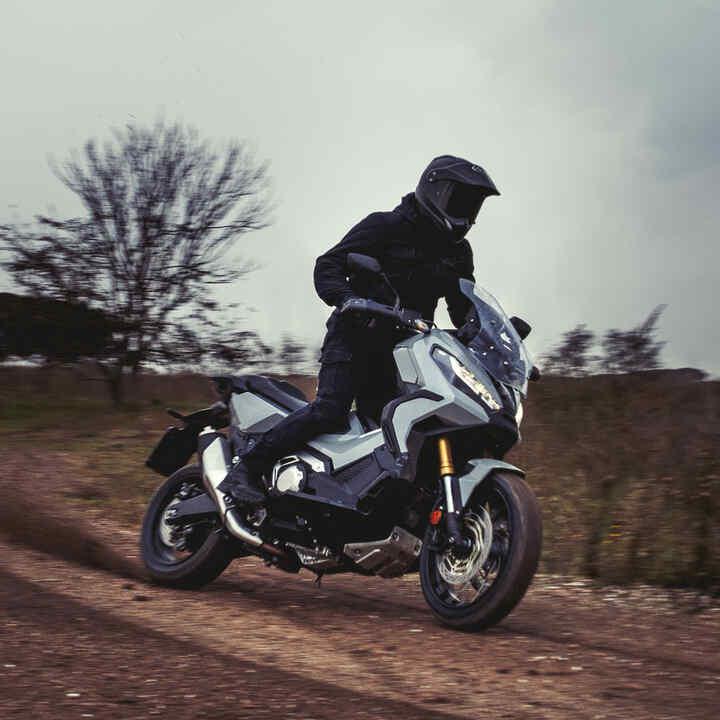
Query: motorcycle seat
(282,393)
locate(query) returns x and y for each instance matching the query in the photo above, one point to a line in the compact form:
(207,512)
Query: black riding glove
(466,333)
(353,304)
(353,307)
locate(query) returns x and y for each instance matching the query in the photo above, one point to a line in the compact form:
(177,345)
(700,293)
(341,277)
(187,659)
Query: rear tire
(512,561)
(208,553)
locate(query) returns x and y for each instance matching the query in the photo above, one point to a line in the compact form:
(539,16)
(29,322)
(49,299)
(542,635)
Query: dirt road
(83,642)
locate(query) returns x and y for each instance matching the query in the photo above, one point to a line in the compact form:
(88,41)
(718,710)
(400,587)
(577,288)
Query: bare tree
(635,349)
(162,210)
(237,349)
(292,353)
(571,357)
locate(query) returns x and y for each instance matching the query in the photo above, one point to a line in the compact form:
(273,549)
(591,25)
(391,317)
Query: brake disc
(460,570)
(166,530)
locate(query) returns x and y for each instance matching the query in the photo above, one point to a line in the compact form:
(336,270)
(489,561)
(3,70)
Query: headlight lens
(451,363)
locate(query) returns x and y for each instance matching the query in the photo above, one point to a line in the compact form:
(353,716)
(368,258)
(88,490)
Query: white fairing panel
(348,447)
(252,412)
(452,406)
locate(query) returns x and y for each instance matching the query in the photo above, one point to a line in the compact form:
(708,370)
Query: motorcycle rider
(422,249)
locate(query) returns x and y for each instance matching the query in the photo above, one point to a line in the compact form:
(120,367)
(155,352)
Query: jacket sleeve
(331,271)
(458,304)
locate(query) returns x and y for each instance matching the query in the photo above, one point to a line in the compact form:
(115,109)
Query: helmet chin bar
(458,231)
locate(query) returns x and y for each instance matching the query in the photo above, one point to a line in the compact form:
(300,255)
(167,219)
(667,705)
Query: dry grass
(626,468)
(628,475)
(61,412)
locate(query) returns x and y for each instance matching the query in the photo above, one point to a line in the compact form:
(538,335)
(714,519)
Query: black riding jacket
(422,263)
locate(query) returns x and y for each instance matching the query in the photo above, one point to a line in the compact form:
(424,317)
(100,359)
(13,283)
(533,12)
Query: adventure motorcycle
(427,490)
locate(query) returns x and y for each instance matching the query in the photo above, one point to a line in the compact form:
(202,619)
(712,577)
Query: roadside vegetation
(625,466)
(628,474)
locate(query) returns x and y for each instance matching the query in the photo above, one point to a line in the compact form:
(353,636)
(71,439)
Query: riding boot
(244,481)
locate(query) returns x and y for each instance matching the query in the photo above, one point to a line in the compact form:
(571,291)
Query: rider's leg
(377,387)
(327,413)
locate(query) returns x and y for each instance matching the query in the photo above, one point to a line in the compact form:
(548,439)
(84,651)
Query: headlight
(450,363)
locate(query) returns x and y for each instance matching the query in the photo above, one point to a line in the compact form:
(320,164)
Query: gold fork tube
(445,453)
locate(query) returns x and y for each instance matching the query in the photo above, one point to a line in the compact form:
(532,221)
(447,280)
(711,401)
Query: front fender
(481,469)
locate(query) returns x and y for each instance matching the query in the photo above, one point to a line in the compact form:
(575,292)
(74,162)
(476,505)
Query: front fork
(453,503)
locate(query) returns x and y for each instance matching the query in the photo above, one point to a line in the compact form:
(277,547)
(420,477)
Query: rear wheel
(476,591)
(186,556)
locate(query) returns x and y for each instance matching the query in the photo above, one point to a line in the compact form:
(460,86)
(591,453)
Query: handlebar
(406,318)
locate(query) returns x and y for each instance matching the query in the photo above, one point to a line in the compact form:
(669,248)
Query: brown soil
(83,635)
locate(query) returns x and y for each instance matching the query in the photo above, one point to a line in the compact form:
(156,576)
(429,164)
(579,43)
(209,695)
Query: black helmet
(451,191)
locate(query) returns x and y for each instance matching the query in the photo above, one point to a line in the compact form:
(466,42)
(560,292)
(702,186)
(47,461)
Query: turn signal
(435,517)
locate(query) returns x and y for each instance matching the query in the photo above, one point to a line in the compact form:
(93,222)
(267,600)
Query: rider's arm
(331,271)
(458,304)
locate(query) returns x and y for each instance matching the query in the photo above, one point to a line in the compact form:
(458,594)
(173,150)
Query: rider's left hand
(466,333)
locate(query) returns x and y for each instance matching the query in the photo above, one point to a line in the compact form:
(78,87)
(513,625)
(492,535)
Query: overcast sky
(599,123)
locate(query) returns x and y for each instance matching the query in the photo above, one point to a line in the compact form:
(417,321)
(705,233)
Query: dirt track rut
(80,642)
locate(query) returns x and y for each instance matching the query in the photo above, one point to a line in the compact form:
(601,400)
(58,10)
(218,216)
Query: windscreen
(497,346)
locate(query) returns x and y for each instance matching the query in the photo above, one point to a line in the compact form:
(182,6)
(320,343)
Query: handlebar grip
(369,306)
(377,308)
(408,318)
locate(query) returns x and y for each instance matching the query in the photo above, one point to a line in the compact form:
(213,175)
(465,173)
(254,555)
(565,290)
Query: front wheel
(182,556)
(478,590)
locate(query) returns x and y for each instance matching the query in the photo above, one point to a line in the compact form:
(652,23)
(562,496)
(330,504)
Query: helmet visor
(458,202)
(464,201)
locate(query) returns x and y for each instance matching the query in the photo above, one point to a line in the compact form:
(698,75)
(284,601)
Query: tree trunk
(115,383)
(114,379)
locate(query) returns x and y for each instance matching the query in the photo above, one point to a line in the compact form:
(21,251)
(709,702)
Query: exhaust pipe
(215,462)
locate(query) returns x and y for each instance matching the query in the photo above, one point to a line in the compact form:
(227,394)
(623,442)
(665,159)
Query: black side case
(174,450)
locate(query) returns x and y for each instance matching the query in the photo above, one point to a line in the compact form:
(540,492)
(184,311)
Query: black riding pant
(357,364)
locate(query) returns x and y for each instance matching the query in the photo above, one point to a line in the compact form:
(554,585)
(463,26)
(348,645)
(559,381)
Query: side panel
(253,413)
(481,468)
(406,366)
(347,448)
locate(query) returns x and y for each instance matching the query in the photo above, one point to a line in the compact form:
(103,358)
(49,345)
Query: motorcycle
(426,491)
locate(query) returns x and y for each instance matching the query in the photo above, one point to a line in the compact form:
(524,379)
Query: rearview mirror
(522,328)
(356,261)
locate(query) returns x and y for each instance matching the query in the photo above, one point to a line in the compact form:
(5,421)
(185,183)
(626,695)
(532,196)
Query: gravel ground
(81,642)
(83,635)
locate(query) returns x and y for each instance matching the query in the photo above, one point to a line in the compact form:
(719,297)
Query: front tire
(474,593)
(199,556)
